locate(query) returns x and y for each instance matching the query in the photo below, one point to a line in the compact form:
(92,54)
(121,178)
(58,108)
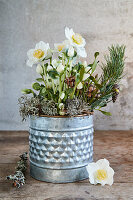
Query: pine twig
(18,177)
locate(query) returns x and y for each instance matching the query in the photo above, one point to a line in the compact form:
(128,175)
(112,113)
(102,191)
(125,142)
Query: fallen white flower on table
(100,172)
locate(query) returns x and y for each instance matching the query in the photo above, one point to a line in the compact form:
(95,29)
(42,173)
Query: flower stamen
(101,174)
(38,53)
(77,38)
(60,47)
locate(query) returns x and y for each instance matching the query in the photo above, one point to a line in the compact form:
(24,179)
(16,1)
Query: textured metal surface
(58,176)
(61,144)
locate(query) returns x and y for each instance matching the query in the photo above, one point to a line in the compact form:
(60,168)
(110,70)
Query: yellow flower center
(77,38)
(38,53)
(60,47)
(101,174)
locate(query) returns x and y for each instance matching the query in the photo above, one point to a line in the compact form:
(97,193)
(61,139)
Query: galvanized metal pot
(60,148)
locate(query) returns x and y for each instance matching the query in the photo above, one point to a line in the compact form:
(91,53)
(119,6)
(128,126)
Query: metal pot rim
(63,116)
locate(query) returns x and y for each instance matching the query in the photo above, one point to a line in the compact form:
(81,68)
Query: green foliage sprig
(112,74)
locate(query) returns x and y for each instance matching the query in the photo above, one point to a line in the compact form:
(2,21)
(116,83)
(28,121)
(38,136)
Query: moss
(76,106)
(36,106)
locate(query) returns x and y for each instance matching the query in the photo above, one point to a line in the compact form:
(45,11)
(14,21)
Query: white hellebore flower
(38,54)
(80,86)
(39,69)
(49,68)
(85,76)
(70,52)
(60,68)
(100,172)
(77,41)
(62,95)
(59,46)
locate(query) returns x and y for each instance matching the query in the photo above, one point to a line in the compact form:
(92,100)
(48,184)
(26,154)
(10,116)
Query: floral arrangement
(66,85)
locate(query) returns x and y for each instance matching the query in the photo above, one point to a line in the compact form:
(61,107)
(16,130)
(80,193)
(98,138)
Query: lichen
(76,106)
(36,106)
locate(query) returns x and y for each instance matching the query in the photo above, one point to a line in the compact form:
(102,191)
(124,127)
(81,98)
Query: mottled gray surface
(25,22)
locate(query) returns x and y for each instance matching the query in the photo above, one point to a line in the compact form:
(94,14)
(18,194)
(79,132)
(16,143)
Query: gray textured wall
(25,22)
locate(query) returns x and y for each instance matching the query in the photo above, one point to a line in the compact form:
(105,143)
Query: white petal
(61,106)
(85,76)
(87,69)
(42,45)
(80,86)
(81,52)
(62,95)
(103,163)
(68,33)
(39,69)
(60,68)
(49,68)
(91,169)
(83,43)
(30,53)
(56,45)
(54,63)
(70,52)
(29,63)
(110,181)
(85,63)
(110,173)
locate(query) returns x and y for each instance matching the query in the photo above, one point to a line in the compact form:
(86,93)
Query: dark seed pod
(70,81)
(116,91)
(91,88)
(96,76)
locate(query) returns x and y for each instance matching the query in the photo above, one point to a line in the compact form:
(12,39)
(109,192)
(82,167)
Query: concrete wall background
(25,22)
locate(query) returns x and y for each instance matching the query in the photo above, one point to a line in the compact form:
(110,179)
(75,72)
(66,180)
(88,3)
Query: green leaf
(53,74)
(27,91)
(94,65)
(78,78)
(75,54)
(77,67)
(96,54)
(36,86)
(95,81)
(43,90)
(82,71)
(105,113)
(39,79)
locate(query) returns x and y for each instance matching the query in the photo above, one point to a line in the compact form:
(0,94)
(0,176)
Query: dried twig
(18,177)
